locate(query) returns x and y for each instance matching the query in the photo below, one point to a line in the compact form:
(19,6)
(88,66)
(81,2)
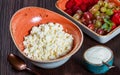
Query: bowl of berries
(100,19)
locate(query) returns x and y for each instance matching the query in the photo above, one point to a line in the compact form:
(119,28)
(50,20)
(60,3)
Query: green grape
(95,8)
(98,24)
(105,4)
(97,13)
(100,2)
(76,16)
(103,9)
(109,12)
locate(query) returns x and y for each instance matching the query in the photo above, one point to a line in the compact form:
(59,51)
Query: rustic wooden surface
(72,67)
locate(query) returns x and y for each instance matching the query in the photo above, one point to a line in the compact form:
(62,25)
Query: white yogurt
(98,54)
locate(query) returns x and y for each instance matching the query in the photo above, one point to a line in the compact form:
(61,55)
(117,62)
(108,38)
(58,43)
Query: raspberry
(69,11)
(83,7)
(75,8)
(116,18)
(78,2)
(86,2)
(73,5)
(70,4)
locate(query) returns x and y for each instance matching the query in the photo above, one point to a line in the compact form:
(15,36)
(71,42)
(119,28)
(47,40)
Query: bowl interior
(24,19)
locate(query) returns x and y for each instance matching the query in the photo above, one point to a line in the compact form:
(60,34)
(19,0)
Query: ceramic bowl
(24,19)
(60,4)
(98,68)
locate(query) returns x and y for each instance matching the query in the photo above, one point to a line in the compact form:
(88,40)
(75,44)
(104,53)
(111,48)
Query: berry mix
(101,16)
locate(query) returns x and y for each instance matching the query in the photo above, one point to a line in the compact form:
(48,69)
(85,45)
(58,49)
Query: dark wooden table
(72,67)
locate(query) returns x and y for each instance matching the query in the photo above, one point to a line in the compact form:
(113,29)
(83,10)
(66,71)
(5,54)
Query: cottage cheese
(47,42)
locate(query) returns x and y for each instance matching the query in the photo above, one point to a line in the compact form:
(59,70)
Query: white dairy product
(98,54)
(47,42)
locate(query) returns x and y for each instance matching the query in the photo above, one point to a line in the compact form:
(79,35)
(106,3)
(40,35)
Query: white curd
(47,42)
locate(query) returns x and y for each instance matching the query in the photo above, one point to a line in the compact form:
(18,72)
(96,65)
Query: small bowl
(24,19)
(60,4)
(96,67)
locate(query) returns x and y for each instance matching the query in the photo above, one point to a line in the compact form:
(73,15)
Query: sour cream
(98,54)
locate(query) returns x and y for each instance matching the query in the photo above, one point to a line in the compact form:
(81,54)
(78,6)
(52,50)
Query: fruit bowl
(97,18)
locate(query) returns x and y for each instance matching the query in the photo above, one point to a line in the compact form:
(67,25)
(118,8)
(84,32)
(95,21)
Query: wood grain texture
(72,67)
